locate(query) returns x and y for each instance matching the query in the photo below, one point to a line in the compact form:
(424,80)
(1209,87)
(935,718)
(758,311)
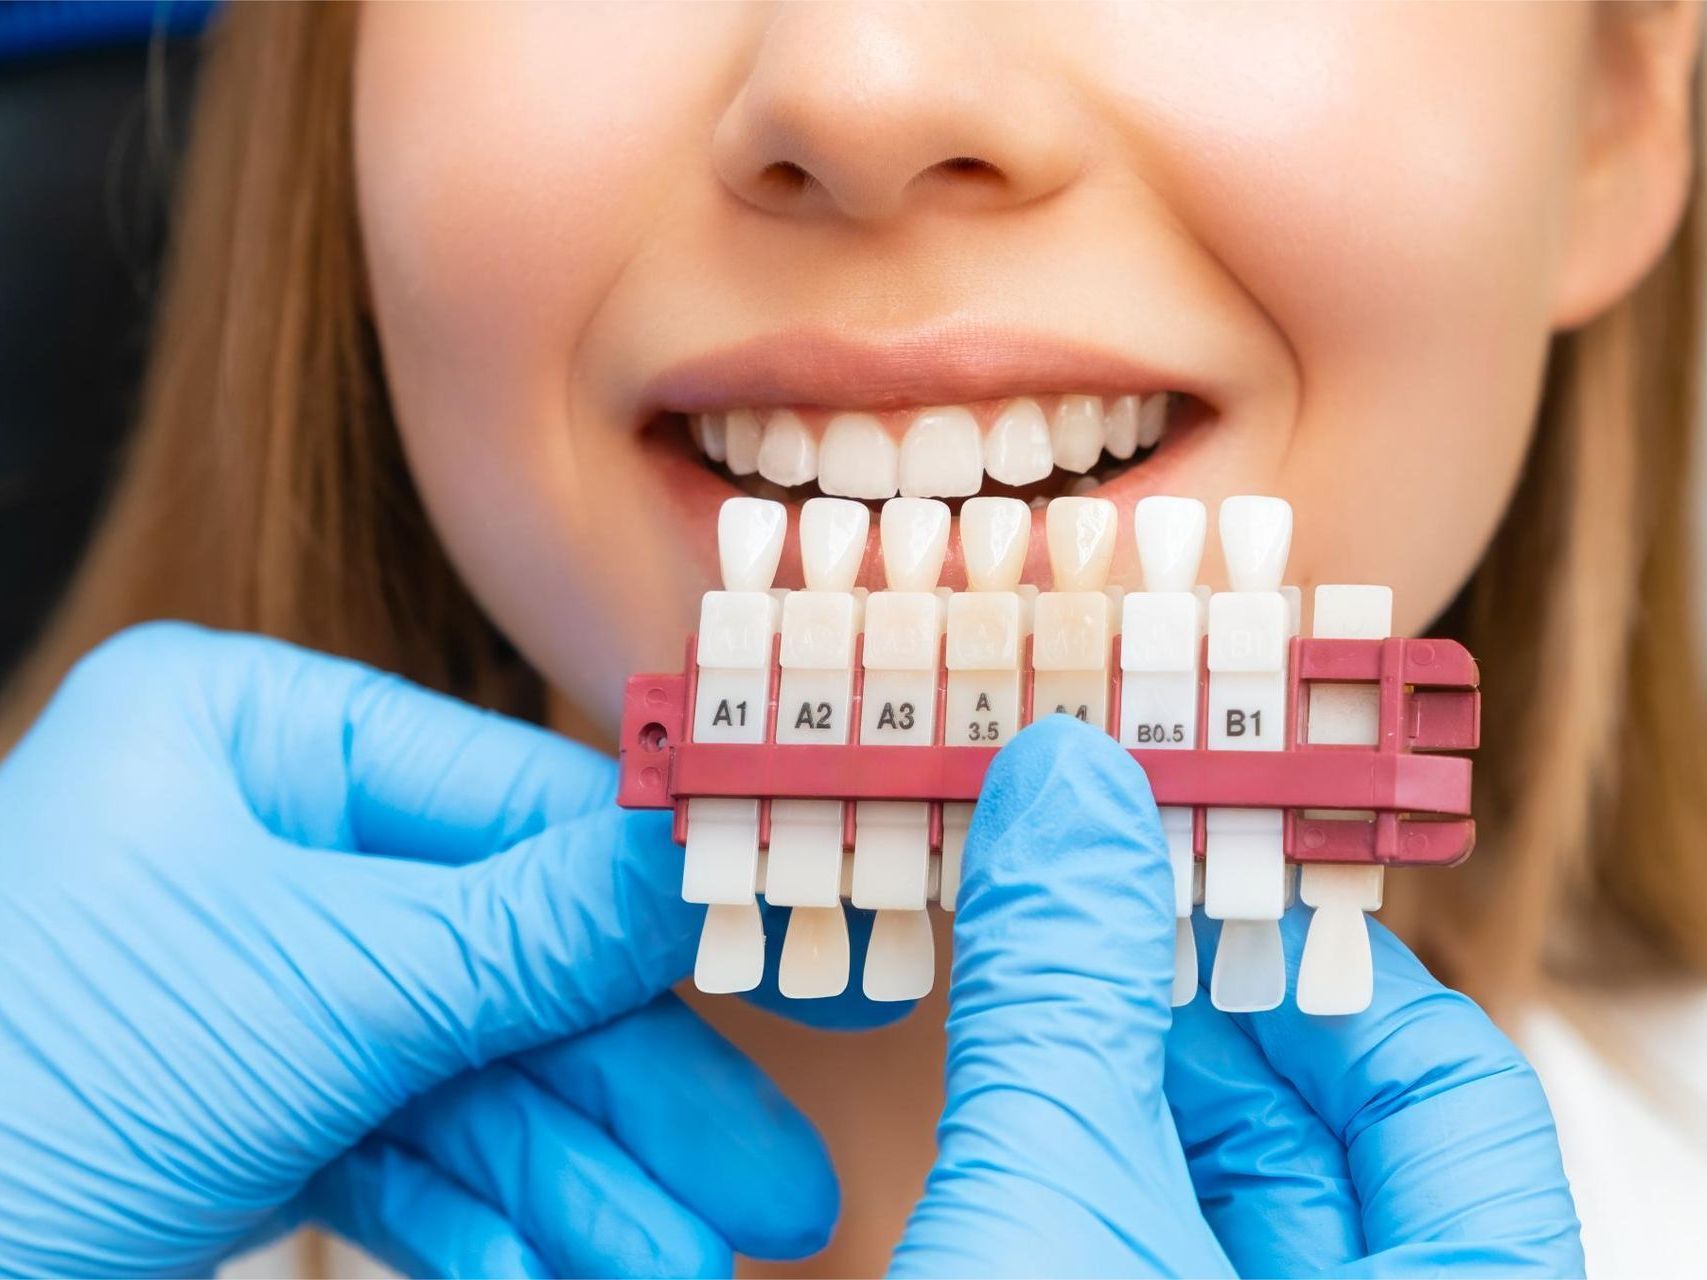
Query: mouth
(948,418)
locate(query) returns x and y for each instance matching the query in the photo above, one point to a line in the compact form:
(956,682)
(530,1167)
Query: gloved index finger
(337,755)
(1449,1138)
(433,778)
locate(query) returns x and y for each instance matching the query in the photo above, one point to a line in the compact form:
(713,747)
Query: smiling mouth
(1033,447)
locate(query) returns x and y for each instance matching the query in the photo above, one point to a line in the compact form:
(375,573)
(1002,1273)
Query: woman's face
(1340,234)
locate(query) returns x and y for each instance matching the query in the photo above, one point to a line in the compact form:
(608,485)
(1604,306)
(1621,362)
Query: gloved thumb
(1059,1006)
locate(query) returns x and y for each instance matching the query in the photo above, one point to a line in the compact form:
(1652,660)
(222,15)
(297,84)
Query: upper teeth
(943,453)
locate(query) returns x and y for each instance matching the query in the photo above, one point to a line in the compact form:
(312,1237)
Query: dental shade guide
(773,749)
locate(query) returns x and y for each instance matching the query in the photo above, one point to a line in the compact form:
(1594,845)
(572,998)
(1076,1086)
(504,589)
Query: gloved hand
(254,902)
(1409,1139)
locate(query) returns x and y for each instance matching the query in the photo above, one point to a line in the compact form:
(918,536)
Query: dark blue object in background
(29,28)
(93,101)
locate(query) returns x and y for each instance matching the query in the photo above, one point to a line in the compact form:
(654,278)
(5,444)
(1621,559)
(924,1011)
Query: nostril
(786,177)
(966,177)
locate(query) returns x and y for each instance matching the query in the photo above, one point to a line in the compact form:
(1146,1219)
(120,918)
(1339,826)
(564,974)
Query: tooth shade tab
(900,958)
(994,536)
(1017,448)
(833,532)
(1336,969)
(731,955)
(914,535)
(788,452)
(750,533)
(804,866)
(1081,542)
(942,455)
(1256,537)
(1250,967)
(1246,879)
(1170,534)
(1185,962)
(1076,435)
(814,962)
(721,859)
(858,459)
(891,855)
(892,863)
(1336,973)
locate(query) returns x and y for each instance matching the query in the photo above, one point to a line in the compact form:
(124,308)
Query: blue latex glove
(282,938)
(1411,1139)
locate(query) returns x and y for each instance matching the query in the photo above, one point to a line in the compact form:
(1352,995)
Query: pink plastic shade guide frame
(1418,792)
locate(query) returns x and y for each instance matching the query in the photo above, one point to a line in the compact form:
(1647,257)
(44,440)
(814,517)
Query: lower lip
(698,493)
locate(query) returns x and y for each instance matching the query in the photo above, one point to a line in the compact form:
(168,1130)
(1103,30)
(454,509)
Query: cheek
(1390,185)
(507,171)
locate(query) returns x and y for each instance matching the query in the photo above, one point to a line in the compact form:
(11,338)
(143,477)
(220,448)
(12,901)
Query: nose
(864,111)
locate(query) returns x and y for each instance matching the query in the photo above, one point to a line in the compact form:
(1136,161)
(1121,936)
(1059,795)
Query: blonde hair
(266,490)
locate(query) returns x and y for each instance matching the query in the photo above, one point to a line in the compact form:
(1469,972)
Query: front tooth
(1152,417)
(857,459)
(1016,450)
(1076,435)
(731,954)
(914,533)
(708,435)
(994,534)
(742,434)
(832,542)
(900,958)
(788,454)
(1256,535)
(814,963)
(1081,542)
(750,532)
(941,455)
(1250,967)
(1170,535)
(1120,427)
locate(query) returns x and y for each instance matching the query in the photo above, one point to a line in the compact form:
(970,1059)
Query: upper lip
(815,367)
